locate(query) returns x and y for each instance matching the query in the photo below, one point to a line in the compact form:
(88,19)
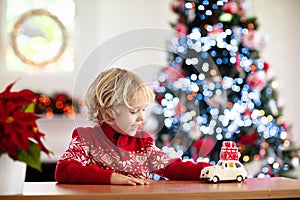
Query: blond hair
(112,88)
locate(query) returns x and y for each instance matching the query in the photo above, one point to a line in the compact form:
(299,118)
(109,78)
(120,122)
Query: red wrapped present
(229,156)
(229,151)
(229,144)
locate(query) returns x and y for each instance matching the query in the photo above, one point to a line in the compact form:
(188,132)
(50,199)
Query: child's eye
(133,111)
(136,111)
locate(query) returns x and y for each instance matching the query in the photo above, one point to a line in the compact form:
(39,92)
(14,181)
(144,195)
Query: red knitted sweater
(96,152)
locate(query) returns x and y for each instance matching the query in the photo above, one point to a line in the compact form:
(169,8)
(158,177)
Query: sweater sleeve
(76,165)
(177,169)
(174,168)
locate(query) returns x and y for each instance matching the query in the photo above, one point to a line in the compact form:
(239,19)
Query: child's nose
(140,117)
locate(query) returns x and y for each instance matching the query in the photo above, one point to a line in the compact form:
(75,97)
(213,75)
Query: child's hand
(119,179)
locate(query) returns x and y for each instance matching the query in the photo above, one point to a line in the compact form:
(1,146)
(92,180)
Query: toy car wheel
(239,178)
(215,179)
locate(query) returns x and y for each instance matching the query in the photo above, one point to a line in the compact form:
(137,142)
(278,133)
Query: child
(114,151)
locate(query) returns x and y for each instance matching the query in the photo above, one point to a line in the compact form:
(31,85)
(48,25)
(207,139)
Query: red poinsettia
(20,137)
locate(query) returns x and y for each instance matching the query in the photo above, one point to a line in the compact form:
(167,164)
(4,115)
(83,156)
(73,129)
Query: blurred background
(82,27)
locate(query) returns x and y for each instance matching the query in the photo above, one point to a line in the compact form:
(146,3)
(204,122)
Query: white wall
(113,19)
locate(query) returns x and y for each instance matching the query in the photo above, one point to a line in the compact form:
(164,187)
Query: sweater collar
(110,133)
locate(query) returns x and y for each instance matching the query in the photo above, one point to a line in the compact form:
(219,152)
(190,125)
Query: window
(238,165)
(39,35)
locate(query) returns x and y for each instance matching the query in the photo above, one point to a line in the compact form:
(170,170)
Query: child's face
(129,120)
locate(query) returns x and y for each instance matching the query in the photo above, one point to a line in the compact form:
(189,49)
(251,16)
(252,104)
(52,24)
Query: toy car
(224,170)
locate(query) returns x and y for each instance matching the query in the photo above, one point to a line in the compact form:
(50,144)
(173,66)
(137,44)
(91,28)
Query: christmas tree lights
(215,88)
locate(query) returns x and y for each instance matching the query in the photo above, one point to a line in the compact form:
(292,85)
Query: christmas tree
(216,88)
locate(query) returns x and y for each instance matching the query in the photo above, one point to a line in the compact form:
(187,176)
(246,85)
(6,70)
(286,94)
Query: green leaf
(29,108)
(32,157)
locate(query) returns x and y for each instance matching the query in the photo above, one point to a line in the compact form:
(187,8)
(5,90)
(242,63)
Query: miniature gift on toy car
(228,167)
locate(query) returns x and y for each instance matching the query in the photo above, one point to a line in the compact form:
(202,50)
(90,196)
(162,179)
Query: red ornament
(248,140)
(230,7)
(266,66)
(159,99)
(257,80)
(285,125)
(247,112)
(181,30)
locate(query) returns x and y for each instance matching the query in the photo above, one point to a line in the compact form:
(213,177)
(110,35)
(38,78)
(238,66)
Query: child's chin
(131,134)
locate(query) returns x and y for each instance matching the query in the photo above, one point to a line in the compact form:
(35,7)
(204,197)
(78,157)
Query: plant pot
(12,175)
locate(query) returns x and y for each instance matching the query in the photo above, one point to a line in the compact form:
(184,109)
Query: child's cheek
(123,121)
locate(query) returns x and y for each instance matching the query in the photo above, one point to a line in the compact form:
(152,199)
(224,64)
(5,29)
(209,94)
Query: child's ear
(107,115)
(109,118)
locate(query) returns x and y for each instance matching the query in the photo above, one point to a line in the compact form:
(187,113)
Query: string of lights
(216,88)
